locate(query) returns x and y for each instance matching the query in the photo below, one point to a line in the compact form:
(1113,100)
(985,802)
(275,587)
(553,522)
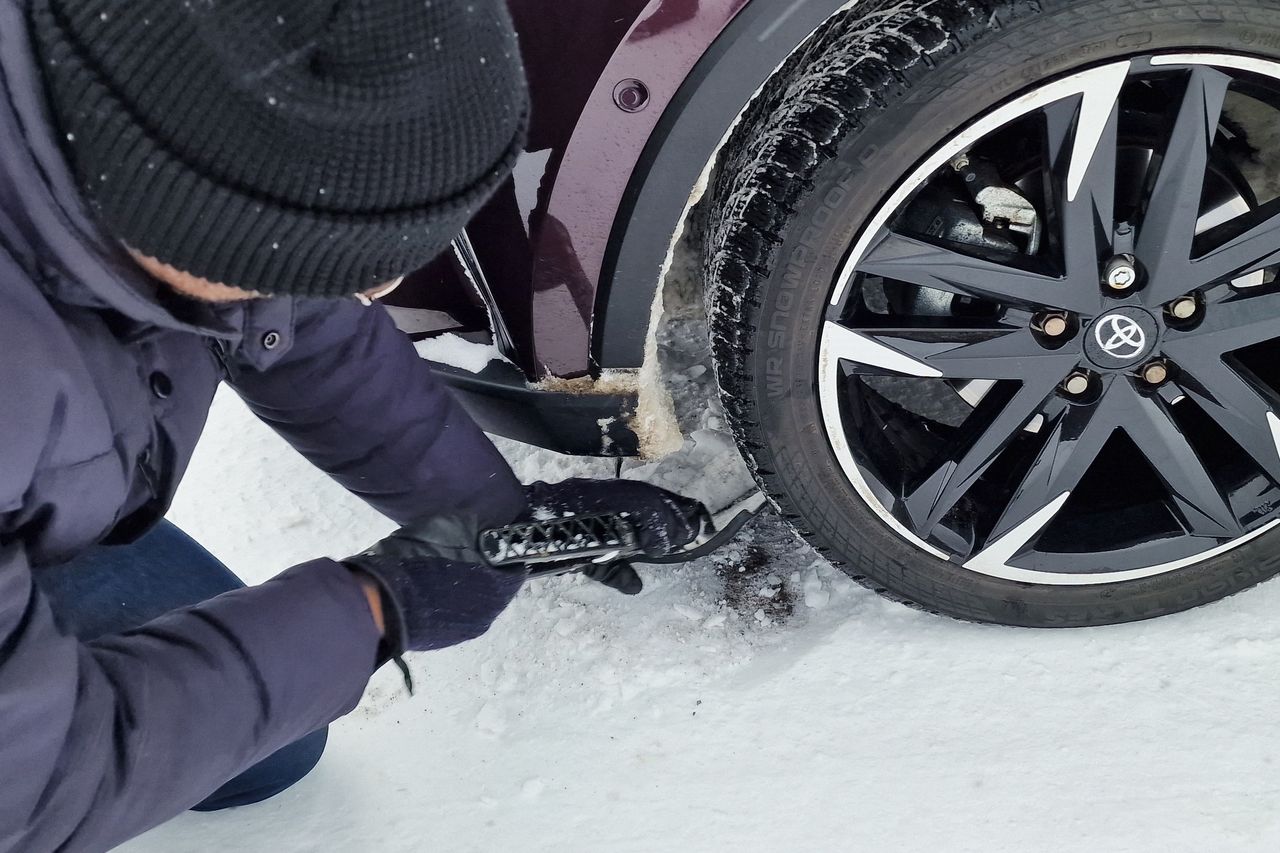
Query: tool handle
(571,542)
(563,545)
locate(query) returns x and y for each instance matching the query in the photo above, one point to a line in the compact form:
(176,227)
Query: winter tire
(995,305)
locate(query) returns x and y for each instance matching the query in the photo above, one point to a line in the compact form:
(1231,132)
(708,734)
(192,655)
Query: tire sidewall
(934,104)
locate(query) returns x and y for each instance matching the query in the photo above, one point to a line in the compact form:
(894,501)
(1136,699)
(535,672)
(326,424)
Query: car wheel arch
(680,160)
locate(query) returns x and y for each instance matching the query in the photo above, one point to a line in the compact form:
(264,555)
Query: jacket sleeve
(354,397)
(103,740)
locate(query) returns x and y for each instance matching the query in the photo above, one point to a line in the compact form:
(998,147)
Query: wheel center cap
(1121,338)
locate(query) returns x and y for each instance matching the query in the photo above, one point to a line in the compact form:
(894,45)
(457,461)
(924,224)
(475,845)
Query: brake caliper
(1003,207)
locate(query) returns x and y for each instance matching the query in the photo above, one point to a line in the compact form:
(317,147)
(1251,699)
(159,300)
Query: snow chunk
(458,352)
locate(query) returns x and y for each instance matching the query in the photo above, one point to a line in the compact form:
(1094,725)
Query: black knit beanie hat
(307,147)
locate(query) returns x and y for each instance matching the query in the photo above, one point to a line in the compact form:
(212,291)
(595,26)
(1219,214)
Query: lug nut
(1155,373)
(1184,308)
(1076,384)
(1121,274)
(1053,325)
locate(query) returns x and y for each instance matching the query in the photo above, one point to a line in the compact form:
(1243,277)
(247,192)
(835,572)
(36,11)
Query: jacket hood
(45,223)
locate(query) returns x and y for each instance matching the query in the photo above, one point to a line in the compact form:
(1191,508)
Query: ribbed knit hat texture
(285,146)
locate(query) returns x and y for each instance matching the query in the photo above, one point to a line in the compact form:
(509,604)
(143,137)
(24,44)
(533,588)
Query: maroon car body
(631,101)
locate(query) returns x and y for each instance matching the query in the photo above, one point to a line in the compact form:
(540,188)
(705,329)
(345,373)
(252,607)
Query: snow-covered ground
(755,701)
(833,721)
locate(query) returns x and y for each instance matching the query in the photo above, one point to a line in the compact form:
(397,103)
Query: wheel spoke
(902,258)
(1256,246)
(1073,441)
(1234,319)
(1083,136)
(989,431)
(957,353)
(845,344)
(999,551)
(1198,501)
(1169,226)
(1240,404)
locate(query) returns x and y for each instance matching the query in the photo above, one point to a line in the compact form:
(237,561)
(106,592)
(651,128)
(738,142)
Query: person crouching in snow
(194,193)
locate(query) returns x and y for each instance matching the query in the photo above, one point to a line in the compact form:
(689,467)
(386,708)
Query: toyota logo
(1120,337)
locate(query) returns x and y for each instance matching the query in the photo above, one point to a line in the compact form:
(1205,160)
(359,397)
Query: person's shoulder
(326,324)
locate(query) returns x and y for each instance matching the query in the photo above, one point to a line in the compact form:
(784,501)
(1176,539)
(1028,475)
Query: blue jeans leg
(111,589)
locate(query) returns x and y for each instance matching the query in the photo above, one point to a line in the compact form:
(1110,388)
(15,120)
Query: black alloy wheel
(1132,311)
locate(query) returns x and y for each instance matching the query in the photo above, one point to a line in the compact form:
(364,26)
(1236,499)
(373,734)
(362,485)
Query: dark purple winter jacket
(104,388)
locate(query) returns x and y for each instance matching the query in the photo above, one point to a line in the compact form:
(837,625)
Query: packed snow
(753,701)
(459,352)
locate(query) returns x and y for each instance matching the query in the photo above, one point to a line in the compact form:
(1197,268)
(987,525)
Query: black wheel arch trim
(737,66)
(501,400)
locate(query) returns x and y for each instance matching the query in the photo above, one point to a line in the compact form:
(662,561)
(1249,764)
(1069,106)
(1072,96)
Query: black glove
(437,589)
(665,522)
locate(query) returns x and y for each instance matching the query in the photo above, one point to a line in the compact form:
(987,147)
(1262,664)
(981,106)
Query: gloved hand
(665,522)
(437,589)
